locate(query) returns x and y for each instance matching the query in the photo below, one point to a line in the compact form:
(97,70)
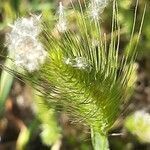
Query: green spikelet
(84,73)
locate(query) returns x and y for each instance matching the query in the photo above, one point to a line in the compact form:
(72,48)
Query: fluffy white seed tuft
(68,61)
(23,41)
(96,7)
(78,62)
(62,21)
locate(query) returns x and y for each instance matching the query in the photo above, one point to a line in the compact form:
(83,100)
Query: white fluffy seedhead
(77,62)
(23,41)
(80,63)
(62,21)
(26,26)
(96,7)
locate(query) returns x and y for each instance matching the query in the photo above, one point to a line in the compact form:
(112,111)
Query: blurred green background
(26,122)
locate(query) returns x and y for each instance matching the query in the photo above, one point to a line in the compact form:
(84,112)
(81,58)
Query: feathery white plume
(96,7)
(62,21)
(23,40)
(77,62)
(80,63)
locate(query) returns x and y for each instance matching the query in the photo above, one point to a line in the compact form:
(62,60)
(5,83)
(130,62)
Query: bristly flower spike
(92,82)
(62,21)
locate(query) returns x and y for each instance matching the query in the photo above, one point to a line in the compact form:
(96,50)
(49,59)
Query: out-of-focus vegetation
(139,125)
(126,18)
(46,128)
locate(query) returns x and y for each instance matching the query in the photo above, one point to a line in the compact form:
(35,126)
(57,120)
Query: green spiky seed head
(83,71)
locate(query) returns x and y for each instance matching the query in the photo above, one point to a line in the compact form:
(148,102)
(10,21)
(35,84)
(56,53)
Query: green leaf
(5,83)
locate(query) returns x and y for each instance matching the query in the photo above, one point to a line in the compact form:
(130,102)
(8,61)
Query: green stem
(26,134)
(6,81)
(99,141)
